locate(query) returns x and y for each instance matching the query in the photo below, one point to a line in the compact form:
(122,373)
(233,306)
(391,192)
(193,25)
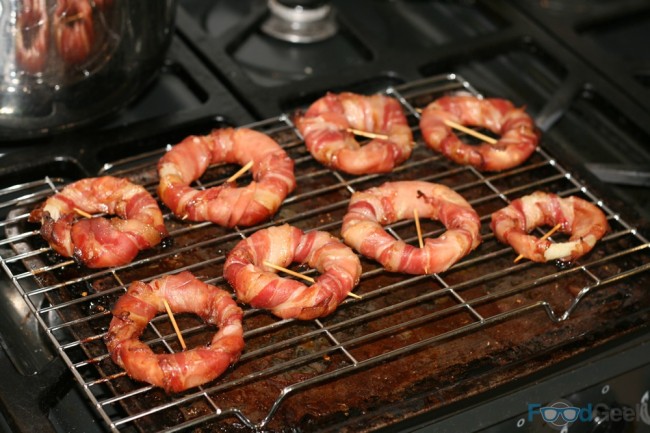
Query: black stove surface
(222,67)
(609,35)
(570,63)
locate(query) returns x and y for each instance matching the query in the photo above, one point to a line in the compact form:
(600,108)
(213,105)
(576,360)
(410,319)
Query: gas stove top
(569,63)
(222,66)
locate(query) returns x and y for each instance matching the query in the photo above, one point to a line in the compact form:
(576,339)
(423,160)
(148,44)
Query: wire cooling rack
(400,320)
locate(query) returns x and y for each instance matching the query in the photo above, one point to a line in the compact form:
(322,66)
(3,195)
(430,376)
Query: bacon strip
(370,210)
(518,140)
(261,287)
(175,372)
(99,242)
(585,222)
(325,128)
(226,205)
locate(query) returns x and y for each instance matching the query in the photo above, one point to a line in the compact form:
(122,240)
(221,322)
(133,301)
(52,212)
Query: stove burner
(300,21)
(272,60)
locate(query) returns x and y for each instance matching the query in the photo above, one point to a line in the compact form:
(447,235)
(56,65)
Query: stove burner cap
(296,23)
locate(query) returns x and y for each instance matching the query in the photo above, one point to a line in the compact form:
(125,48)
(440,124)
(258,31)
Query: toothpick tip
(83,213)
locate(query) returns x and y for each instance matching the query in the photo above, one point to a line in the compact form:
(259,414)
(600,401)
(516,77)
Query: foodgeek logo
(560,414)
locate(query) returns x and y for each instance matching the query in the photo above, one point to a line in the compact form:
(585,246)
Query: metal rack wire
(397,315)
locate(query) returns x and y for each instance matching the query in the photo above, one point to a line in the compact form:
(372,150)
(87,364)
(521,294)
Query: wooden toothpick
(470,131)
(289,271)
(49,268)
(83,213)
(241,171)
(299,275)
(174,324)
(416,218)
(549,233)
(367,134)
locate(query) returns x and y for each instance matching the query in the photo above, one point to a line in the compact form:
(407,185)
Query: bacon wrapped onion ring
(99,242)
(184,293)
(32,35)
(74,30)
(325,128)
(225,204)
(259,285)
(585,222)
(518,134)
(369,210)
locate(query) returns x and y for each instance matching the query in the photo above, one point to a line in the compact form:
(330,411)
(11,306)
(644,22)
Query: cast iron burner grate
(409,345)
